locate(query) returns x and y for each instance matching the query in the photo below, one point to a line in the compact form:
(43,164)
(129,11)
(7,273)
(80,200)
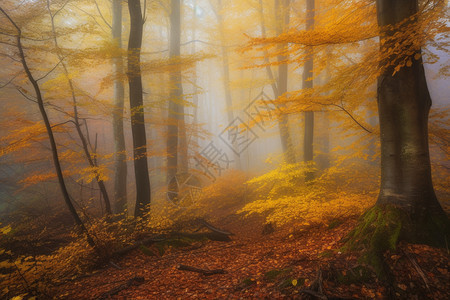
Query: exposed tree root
(383,226)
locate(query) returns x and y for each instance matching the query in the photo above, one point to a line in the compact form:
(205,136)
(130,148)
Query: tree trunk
(407,207)
(226,81)
(403,104)
(143,191)
(282,9)
(120,157)
(308,154)
(176,108)
(194,139)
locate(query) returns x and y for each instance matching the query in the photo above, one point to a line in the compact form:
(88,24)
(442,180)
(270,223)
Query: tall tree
(120,164)
(307,79)
(226,75)
(407,207)
(76,118)
(404,103)
(282,10)
(176,138)
(143,191)
(48,126)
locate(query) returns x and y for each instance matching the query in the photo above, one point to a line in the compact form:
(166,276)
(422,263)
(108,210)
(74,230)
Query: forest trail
(280,265)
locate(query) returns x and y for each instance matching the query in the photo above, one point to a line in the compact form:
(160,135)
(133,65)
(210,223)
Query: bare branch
(341,107)
(101,15)
(26,96)
(60,9)
(2,86)
(48,73)
(190,42)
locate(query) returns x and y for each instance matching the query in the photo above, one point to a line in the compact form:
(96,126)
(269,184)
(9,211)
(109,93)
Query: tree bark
(176,109)
(308,154)
(120,157)
(143,191)
(282,9)
(404,103)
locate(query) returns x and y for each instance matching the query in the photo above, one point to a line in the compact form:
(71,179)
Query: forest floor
(293,263)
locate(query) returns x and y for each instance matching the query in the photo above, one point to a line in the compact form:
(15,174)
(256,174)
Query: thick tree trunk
(308,154)
(176,108)
(120,157)
(143,192)
(404,103)
(407,207)
(282,9)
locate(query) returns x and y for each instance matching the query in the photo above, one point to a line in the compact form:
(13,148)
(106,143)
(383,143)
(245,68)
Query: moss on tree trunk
(382,227)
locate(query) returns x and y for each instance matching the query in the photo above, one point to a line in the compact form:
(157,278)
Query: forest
(224,149)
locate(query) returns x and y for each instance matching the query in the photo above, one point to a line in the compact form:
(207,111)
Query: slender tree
(282,10)
(143,191)
(176,109)
(120,164)
(48,126)
(76,119)
(307,80)
(226,75)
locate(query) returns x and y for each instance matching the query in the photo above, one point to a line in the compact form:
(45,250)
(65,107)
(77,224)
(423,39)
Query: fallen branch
(201,271)
(216,235)
(133,281)
(143,242)
(213,228)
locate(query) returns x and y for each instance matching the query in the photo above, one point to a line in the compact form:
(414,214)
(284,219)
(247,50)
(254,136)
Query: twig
(138,280)
(418,269)
(315,294)
(115,265)
(205,272)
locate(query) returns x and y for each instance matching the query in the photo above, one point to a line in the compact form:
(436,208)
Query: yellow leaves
(96,172)
(5,230)
(285,198)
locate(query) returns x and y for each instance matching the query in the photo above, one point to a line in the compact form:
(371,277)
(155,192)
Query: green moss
(379,230)
(335,223)
(146,250)
(383,226)
(326,253)
(287,283)
(247,282)
(273,274)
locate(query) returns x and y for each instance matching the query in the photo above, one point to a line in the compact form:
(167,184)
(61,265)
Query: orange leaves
(38,178)
(21,138)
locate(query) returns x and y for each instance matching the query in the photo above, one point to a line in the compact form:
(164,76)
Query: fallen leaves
(271,266)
